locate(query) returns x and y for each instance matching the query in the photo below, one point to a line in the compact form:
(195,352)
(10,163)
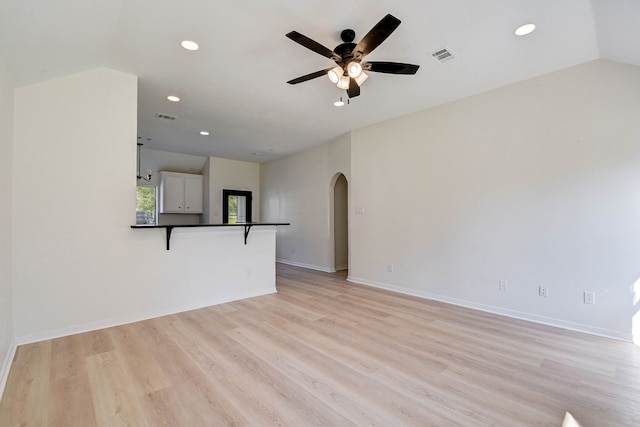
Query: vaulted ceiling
(235,87)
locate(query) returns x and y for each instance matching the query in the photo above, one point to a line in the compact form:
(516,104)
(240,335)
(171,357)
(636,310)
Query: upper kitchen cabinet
(181,193)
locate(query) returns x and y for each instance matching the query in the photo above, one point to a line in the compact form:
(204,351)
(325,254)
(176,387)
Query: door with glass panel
(236,206)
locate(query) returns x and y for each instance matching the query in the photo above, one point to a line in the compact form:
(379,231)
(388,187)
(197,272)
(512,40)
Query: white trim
(6,366)
(93,326)
(558,323)
(309,266)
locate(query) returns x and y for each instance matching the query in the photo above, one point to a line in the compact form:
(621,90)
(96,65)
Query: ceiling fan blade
(309,76)
(354,88)
(313,45)
(390,67)
(376,36)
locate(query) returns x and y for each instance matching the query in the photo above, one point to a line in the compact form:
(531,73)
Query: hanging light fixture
(339,102)
(147,177)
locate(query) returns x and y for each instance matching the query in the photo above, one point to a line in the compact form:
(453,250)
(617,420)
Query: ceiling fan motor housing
(345,50)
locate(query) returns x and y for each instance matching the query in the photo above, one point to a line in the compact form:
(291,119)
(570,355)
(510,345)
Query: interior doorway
(341,223)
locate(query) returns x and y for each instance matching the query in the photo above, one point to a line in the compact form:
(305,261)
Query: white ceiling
(235,85)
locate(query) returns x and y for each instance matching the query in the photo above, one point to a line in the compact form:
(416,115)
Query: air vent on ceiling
(165,116)
(443,55)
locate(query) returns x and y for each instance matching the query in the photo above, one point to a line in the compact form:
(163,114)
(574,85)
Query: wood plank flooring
(323,351)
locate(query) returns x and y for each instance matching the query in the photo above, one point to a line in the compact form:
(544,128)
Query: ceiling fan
(349,73)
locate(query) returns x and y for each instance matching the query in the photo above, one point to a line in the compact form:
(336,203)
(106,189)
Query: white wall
(299,189)
(537,183)
(206,189)
(158,160)
(7,346)
(76,261)
(232,175)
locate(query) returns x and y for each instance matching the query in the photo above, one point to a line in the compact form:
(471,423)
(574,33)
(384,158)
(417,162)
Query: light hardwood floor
(323,351)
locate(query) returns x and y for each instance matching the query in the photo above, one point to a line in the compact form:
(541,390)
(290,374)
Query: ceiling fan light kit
(348,73)
(343,83)
(354,69)
(335,73)
(361,78)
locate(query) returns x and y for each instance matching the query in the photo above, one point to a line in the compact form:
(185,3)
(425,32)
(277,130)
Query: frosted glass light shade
(334,74)
(343,83)
(354,69)
(361,78)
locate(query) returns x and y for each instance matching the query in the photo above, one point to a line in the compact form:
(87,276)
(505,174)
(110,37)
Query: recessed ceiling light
(189,45)
(173,98)
(525,29)
(204,133)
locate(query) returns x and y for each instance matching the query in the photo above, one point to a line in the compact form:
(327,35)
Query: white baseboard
(93,326)
(558,323)
(6,366)
(309,266)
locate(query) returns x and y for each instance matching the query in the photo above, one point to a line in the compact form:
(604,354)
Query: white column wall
(537,183)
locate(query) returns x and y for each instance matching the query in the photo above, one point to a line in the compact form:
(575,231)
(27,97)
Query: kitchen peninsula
(207,264)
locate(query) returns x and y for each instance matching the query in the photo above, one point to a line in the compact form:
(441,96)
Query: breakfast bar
(246,226)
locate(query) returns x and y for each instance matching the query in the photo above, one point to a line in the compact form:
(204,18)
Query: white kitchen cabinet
(180,193)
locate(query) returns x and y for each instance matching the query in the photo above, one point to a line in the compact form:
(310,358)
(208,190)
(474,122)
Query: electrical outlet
(502,285)
(589,297)
(543,291)
(390,268)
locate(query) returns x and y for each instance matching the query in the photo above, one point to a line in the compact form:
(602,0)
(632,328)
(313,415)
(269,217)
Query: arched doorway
(341,223)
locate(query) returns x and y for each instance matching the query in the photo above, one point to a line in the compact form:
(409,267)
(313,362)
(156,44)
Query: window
(146,206)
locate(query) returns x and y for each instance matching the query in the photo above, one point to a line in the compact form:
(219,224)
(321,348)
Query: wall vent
(165,116)
(444,54)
